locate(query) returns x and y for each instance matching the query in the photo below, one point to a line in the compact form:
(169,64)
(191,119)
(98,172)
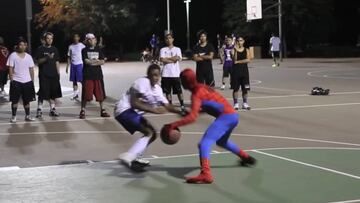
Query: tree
(87,15)
(125,22)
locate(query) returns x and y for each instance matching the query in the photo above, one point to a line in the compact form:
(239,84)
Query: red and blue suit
(205,99)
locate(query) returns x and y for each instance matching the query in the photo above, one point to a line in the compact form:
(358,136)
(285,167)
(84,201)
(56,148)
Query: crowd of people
(85,68)
(146,94)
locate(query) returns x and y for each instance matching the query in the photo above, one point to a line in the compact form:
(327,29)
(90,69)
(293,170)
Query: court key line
(171,114)
(347,201)
(188,132)
(307,164)
(154,157)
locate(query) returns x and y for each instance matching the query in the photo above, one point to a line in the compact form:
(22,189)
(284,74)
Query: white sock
(139,146)
(52,106)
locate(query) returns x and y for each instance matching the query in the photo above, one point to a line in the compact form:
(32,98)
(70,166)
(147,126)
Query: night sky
(203,14)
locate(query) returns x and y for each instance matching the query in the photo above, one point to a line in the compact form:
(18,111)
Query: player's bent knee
(220,143)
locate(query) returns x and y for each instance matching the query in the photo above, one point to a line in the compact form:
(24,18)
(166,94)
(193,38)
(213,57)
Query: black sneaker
(82,114)
(183,111)
(134,166)
(38,113)
(250,161)
(54,113)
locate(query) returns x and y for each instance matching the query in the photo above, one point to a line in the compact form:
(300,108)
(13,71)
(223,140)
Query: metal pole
(168,15)
(28,10)
(187,2)
(280,32)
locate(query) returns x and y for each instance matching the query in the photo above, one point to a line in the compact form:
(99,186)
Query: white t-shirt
(21,67)
(150,95)
(171,70)
(74,52)
(275,44)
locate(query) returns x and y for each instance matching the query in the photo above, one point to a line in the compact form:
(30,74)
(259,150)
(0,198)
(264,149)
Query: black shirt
(206,64)
(48,68)
(92,72)
(241,69)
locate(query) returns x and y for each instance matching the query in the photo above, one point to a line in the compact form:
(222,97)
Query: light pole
(168,15)
(280,31)
(28,10)
(187,2)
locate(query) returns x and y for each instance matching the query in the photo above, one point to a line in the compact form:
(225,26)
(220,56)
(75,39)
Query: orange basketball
(170,137)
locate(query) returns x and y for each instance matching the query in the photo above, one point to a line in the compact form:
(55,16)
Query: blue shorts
(76,73)
(130,120)
(227,68)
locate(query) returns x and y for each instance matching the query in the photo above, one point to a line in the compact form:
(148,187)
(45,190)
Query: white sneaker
(236,106)
(246,106)
(75,96)
(126,158)
(2,93)
(13,119)
(222,87)
(29,118)
(273,65)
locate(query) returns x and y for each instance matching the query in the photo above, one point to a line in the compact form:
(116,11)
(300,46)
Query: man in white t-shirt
(21,74)
(275,49)
(170,75)
(76,67)
(144,95)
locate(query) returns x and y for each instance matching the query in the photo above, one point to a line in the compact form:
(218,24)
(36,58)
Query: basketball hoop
(253,10)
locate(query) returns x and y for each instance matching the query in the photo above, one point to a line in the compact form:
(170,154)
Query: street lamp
(187,2)
(28,11)
(168,15)
(280,31)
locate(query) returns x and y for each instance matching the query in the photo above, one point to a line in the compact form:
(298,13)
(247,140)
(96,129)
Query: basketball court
(307,147)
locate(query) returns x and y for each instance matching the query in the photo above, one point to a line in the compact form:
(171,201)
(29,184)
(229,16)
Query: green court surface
(307,175)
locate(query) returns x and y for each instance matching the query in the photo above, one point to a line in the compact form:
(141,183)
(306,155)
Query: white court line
(9,168)
(277,108)
(311,74)
(296,138)
(297,95)
(347,201)
(278,89)
(55,121)
(189,133)
(305,106)
(154,157)
(306,164)
(281,137)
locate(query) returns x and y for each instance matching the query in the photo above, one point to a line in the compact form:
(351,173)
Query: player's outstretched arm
(192,116)
(171,108)
(136,103)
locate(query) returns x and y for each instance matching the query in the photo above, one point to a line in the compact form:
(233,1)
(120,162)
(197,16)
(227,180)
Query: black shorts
(49,88)
(240,78)
(4,76)
(171,84)
(242,82)
(24,90)
(275,54)
(205,77)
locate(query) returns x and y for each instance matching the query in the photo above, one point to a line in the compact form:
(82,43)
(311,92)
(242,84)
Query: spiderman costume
(207,100)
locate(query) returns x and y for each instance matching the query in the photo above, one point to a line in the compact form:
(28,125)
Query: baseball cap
(89,36)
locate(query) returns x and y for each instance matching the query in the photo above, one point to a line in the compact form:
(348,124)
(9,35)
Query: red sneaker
(202,178)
